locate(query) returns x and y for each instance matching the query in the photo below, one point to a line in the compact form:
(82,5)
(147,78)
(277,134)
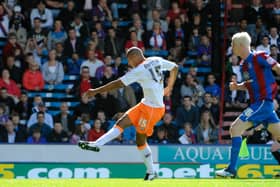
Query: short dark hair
(134,51)
(40,112)
(187,96)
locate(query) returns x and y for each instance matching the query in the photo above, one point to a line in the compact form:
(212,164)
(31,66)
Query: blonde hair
(242,38)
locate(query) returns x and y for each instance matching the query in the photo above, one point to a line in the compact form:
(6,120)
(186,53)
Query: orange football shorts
(144,117)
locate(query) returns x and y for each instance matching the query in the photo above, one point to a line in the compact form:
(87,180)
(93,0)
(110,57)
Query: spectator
(274,38)
(84,83)
(10,135)
(34,53)
(66,119)
(119,67)
(83,108)
(43,13)
(80,27)
(38,33)
(170,128)
(160,136)
(274,52)
(177,32)
(157,39)
(161,6)
(106,103)
(55,6)
(5,15)
(252,11)
(20,128)
(56,35)
(4,117)
(99,74)
(174,12)
(101,11)
(108,75)
(204,51)
(18,26)
(73,45)
(211,106)
(23,107)
(14,70)
(40,124)
(58,135)
(48,119)
(206,131)
(101,34)
(126,98)
(36,137)
(67,14)
(12,48)
(33,79)
(264,46)
(134,42)
(156,18)
(194,39)
(187,113)
(103,119)
(93,42)
(96,131)
(78,135)
(52,70)
(177,53)
(7,99)
(192,88)
(212,88)
(138,28)
(113,45)
(11,86)
(73,65)
(188,137)
(92,63)
(60,56)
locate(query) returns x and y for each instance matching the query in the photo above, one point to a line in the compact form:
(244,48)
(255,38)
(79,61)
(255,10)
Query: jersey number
(156,73)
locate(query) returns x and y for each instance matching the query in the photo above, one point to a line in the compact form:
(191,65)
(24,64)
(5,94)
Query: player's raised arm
(171,80)
(107,87)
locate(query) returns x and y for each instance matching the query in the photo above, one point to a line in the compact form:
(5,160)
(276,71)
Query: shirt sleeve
(266,60)
(132,76)
(167,65)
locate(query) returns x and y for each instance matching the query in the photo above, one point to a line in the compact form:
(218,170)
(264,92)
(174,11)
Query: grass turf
(140,183)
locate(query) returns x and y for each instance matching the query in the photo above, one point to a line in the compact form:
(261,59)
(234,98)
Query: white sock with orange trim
(146,154)
(107,137)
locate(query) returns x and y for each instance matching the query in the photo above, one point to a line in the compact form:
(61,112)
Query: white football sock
(107,137)
(146,154)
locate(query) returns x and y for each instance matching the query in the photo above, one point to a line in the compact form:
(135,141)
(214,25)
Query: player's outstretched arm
(238,86)
(276,68)
(171,81)
(107,87)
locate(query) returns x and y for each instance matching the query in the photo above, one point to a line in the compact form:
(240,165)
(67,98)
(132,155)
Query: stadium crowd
(42,41)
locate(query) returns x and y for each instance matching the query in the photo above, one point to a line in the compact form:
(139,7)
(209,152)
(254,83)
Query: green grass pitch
(140,183)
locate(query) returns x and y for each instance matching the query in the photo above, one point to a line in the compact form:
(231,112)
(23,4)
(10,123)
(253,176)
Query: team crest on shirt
(248,112)
(142,123)
(246,75)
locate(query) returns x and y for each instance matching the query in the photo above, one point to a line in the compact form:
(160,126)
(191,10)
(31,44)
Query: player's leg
(146,154)
(236,130)
(114,132)
(274,129)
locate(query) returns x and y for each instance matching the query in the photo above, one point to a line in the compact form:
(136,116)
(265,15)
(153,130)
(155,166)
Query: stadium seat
(58,87)
(57,104)
(70,77)
(50,95)
(150,52)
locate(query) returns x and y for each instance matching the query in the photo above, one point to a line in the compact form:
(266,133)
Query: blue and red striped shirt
(258,76)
